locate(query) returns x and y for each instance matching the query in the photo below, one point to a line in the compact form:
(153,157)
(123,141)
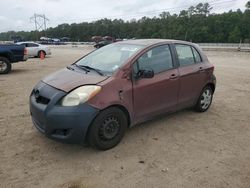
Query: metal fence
(233,45)
(226,46)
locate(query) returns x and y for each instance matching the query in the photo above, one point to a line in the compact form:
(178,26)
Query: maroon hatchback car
(98,97)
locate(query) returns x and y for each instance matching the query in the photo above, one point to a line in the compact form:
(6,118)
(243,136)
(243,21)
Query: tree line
(195,24)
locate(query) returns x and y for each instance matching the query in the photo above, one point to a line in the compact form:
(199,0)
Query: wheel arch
(6,55)
(124,109)
(212,85)
(121,107)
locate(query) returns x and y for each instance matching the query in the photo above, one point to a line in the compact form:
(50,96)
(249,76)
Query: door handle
(173,76)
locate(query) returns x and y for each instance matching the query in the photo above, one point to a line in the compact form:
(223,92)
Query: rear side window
(158,59)
(32,45)
(24,44)
(185,54)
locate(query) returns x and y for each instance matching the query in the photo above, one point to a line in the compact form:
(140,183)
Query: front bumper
(65,124)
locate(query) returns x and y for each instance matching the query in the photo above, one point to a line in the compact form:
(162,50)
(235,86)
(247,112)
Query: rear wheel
(107,129)
(5,65)
(205,99)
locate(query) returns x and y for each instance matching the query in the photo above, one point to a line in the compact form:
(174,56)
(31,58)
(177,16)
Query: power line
(40,21)
(154,12)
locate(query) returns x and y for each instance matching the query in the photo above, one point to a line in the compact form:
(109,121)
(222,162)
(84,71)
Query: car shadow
(18,71)
(162,117)
(141,128)
(47,57)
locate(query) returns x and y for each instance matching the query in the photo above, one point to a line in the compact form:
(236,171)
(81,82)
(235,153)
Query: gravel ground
(185,149)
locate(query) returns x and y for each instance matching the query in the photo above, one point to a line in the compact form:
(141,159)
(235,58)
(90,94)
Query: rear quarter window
(197,55)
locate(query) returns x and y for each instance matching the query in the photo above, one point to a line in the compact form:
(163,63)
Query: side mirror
(145,74)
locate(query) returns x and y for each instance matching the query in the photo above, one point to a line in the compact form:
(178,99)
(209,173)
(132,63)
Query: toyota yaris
(97,98)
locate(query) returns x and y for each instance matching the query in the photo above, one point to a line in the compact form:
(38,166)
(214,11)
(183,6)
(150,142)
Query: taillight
(25,51)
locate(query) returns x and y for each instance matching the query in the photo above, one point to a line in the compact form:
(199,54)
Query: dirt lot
(186,149)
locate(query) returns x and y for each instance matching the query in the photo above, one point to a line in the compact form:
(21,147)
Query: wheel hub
(206,99)
(109,128)
(3,66)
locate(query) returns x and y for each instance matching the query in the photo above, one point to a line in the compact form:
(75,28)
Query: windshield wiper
(81,67)
(70,68)
(91,68)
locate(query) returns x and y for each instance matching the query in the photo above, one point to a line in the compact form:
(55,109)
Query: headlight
(80,95)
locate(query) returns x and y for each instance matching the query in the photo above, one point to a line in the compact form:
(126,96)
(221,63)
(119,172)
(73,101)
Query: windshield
(109,58)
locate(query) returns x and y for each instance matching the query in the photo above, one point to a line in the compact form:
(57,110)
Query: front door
(156,95)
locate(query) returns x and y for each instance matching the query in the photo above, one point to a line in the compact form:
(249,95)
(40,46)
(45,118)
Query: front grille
(39,98)
(42,100)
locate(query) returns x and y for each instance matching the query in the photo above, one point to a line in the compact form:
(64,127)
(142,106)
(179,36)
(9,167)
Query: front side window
(158,59)
(185,54)
(109,58)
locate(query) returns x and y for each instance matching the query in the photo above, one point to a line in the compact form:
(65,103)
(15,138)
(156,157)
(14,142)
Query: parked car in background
(102,43)
(115,87)
(35,49)
(11,53)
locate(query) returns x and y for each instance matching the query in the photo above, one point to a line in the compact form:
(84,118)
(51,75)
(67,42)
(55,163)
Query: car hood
(67,80)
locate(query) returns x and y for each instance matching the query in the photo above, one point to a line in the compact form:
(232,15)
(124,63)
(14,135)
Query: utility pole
(40,21)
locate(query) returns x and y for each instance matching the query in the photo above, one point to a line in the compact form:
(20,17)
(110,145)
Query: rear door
(153,96)
(192,74)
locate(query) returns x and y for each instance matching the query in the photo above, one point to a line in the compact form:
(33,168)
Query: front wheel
(5,65)
(107,129)
(205,99)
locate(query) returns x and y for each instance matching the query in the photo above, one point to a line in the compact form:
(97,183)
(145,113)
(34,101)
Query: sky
(15,14)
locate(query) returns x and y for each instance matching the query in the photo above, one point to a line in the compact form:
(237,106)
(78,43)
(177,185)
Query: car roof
(27,42)
(149,42)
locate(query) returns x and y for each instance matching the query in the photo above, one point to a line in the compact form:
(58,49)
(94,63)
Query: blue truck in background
(11,53)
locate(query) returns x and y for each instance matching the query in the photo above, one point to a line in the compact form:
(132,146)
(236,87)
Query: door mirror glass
(145,74)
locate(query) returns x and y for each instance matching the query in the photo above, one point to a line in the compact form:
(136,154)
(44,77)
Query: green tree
(193,24)
(235,35)
(248,5)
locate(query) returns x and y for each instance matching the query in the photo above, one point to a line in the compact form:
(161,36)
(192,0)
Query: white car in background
(35,49)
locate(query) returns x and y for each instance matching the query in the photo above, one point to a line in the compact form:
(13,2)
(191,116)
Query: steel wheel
(3,66)
(109,129)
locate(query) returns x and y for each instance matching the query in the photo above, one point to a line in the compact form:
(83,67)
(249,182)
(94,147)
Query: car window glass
(158,59)
(196,56)
(24,44)
(111,57)
(185,54)
(32,45)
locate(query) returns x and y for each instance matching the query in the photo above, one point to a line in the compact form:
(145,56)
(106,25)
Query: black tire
(40,54)
(205,99)
(107,129)
(5,65)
